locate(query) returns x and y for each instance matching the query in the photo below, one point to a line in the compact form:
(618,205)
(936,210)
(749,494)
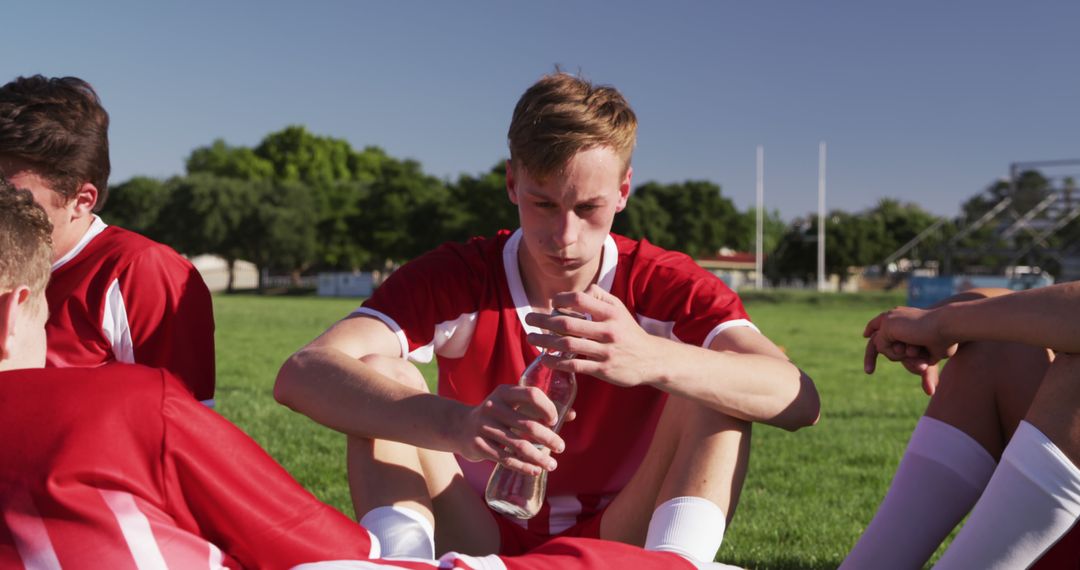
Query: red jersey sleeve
(171,317)
(437,287)
(240,499)
(676,298)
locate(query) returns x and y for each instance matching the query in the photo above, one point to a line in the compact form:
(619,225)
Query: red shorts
(515,540)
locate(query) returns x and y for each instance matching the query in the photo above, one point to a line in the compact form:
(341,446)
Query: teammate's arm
(1045,317)
(329,382)
(240,499)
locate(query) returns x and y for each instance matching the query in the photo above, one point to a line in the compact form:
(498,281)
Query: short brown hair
(24,240)
(562,115)
(58,126)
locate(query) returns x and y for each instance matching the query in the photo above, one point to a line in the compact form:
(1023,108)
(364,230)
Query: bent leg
(1033,499)
(392,474)
(985,389)
(696,452)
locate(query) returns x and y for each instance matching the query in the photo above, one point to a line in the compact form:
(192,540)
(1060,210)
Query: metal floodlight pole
(821,218)
(759,253)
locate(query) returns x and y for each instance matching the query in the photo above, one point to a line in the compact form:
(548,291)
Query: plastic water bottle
(514,493)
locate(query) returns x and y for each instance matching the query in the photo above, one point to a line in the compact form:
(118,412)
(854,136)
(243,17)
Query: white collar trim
(608,263)
(96,227)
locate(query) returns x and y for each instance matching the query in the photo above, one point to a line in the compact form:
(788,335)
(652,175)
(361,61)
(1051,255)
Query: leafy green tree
(773,230)
(270,224)
(297,155)
(136,205)
(224,161)
(207,214)
(795,255)
(700,219)
(644,218)
(478,206)
(852,240)
(401,213)
(282,227)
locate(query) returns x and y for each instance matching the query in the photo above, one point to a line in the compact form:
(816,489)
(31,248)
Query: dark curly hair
(58,126)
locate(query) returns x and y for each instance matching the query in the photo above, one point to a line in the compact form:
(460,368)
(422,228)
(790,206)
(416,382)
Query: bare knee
(1054,411)
(987,388)
(397,369)
(1005,368)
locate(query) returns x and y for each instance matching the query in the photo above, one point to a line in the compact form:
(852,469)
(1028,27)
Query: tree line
(299,202)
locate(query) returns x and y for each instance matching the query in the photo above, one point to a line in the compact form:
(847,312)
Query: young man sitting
(671,373)
(114,295)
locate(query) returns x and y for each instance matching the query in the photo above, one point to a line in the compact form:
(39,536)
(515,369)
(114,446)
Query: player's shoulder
(112,385)
(642,258)
(474,257)
(129,246)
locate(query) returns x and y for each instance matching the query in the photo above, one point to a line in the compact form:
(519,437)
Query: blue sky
(922,101)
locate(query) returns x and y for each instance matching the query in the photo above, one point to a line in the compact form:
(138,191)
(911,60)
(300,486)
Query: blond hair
(25,242)
(562,115)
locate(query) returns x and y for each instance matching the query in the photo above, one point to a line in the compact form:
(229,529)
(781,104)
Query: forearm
(349,396)
(753,387)
(1047,317)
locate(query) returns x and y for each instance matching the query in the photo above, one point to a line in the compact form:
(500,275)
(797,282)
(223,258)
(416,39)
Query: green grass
(808,494)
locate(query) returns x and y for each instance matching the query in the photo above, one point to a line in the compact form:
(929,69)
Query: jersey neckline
(608,262)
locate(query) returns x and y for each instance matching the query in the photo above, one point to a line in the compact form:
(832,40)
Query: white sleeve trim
(208,403)
(725,326)
(114,323)
(391,324)
(452,337)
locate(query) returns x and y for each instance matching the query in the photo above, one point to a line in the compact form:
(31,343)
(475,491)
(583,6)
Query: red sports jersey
(557,554)
(465,303)
(118,467)
(118,296)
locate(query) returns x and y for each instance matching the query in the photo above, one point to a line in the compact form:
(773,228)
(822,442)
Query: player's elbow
(289,380)
(804,410)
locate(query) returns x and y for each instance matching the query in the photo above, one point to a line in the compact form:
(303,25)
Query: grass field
(808,494)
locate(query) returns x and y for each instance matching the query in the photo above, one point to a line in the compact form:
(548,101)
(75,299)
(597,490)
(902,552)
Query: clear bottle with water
(514,493)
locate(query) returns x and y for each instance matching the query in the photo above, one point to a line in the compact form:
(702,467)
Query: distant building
(215,272)
(735,268)
(345,284)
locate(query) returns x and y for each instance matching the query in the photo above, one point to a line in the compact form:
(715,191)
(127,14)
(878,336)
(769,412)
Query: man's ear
(624,189)
(511,189)
(85,199)
(11,303)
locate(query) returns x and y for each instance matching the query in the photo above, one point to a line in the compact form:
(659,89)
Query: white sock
(691,527)
(940,477)
(402,532)
(1032,501)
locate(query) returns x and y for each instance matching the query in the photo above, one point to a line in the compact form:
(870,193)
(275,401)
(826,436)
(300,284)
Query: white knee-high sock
(691,527)
(940,477)
(402,532)
(1031,502)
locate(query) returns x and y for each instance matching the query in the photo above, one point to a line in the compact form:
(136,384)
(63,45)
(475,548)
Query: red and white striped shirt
(119,467)
(557,554)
